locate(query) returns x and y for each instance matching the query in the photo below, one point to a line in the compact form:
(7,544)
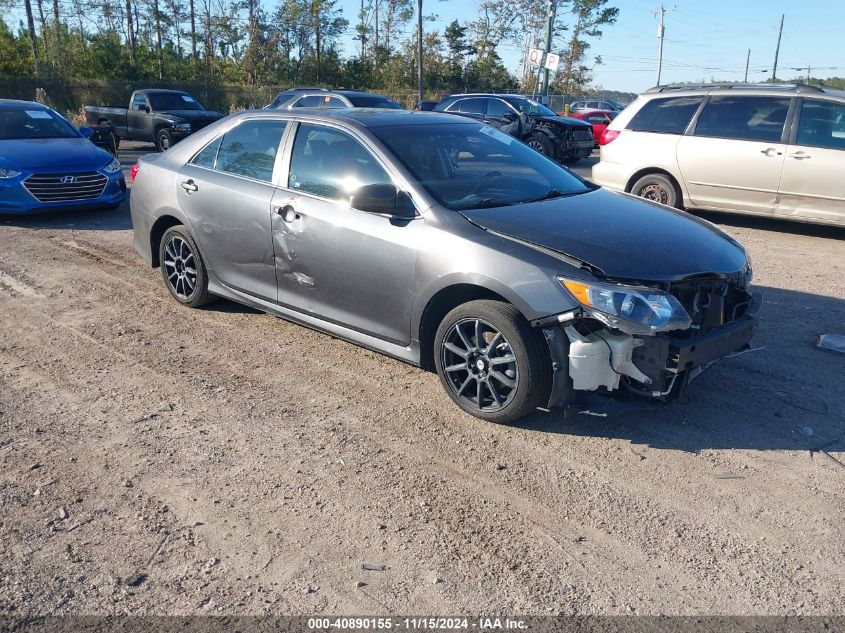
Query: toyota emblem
(67,180)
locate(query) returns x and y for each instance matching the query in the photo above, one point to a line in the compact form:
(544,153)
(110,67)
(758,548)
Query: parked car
(447,244)
(560,138)
(599,119)
(46,164)
(326,99)
(586,105)
(770,150)
(285,95)
(163,117)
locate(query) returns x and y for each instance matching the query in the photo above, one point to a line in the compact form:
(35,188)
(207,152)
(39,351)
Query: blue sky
(705,39)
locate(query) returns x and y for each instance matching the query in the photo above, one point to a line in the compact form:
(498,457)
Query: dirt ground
(161,460)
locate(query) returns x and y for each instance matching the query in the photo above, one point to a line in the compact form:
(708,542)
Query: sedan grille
(65,187)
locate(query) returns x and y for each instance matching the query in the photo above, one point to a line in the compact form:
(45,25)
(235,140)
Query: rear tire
(182,267)
(658,188)
(491,362)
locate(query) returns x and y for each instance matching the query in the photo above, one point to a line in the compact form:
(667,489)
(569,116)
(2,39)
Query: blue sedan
(46,164)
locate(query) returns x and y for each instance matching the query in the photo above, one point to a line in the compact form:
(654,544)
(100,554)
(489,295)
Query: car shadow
(770,224)
(783,394)
(75,220)
(230,307)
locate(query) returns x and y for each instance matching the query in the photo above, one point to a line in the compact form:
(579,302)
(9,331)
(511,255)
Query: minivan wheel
(656,187)
(182,268)
(490,361)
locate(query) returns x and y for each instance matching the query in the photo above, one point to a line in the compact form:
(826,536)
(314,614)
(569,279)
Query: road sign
(552,61)
(535,57)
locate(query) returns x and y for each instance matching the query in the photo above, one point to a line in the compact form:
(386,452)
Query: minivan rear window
(667,116)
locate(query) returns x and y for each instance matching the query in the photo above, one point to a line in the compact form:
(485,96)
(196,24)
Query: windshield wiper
(487,203)
(551,193)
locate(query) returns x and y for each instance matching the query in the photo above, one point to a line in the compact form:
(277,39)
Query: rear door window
(822,124)
(250,149)
(334,102)
(311,101)
(669,115)
(744,118)
(139,102)
(470,106)
(497,108)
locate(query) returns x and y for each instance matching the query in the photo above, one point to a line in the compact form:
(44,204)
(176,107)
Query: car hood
(625,238)
(50,154)
(563,120)
(193,115)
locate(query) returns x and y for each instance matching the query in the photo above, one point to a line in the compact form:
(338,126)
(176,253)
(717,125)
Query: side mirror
(87,132)
(381,198)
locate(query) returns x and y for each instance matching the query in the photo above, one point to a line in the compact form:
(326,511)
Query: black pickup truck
(561,138)
(163,117)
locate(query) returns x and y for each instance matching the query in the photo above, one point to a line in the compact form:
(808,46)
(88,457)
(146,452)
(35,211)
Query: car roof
(753,89)
(361,117)
(15,104)
(500,95)
(164,90)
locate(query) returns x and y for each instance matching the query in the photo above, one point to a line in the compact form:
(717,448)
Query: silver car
(447,244)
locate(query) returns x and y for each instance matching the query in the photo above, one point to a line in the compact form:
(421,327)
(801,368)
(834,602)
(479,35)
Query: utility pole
(661,30)
(550,20)
(747,60)
(420,48)
(777,51)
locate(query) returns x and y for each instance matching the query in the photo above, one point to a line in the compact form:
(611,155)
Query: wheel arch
(444,301)
(157,232)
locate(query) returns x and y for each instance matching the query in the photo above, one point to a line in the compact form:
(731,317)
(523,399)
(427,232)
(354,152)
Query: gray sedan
(447,244)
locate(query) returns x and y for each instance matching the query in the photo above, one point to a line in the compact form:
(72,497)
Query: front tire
(164,141)
(183,268)
(658,188)
(540,143)
(491,362)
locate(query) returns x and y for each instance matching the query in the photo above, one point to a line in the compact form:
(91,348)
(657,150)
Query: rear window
(374,101)
(666,116)
(743,118)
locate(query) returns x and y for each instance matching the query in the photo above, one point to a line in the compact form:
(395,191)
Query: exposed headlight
(8,173)
(632,309)
(182,127)
(113,166)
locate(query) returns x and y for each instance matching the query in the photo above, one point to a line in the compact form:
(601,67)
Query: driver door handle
(771,151)
(288,213)
(189,186)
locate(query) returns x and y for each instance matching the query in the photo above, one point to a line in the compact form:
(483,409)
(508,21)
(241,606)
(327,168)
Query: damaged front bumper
(588,356)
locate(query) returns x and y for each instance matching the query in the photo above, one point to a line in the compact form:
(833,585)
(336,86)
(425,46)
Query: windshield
(161,101)
(472,166)
(374,101)
(34,123)
(529,106)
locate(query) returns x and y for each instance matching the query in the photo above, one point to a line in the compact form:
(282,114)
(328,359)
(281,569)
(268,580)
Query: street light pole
(550,19)
(420,48)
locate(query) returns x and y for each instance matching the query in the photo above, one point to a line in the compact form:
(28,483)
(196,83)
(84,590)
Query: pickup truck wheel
(540,143)
(163,140)
(657,187)
(491,362)
(182,267)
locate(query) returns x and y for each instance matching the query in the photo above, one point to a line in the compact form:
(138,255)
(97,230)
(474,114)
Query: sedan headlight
(182,127)
(8,173)
(632,309)
(112,167)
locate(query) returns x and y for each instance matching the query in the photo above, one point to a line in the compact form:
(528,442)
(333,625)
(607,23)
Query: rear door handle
(288,213)
(800,155)
(189,186)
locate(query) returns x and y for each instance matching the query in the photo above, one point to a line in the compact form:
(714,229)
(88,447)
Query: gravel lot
(156,459)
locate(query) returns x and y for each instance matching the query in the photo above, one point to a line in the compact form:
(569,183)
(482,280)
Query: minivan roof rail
(795,87)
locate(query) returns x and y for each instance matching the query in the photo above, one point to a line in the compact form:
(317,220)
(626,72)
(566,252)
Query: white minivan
(773,150)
